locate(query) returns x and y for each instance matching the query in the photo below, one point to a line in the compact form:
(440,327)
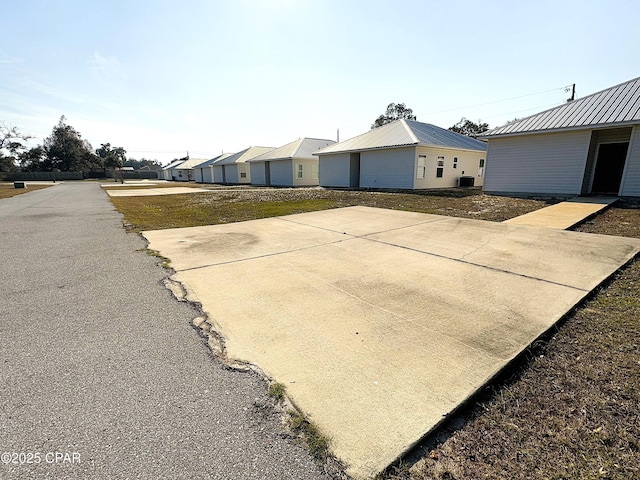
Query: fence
(51,176)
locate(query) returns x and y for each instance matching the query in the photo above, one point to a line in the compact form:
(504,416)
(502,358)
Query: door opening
(354,170)
(609,168)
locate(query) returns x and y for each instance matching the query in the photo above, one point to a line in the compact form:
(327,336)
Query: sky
(163,78)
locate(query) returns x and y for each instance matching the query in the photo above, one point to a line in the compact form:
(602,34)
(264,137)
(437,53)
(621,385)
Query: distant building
(404,154)
(291,165)
(589,145)
(203,172)
(234,168)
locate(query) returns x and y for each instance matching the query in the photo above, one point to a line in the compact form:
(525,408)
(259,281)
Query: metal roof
(206,163)
(619,105)
(242,156)
(301,149)
(404,133)
(189,164)
(174,164)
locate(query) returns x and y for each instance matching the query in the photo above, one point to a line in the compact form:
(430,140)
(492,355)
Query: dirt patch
(226,206)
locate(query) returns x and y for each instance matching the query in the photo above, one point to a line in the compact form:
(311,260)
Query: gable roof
(174,164)
(189,164)
(206,163)
(242,156)
(405,133)
(618,105)
(301,149)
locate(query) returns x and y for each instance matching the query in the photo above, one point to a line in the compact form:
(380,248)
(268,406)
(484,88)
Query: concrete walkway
(98,359)
(564,215)
(379,322)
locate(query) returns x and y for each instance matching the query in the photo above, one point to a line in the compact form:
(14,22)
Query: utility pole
(573,93)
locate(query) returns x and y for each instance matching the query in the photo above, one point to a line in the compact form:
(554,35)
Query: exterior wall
(207,175)
(388,168)
(231,173)
(334,170)
(197,174)
(310,170)
(217,174)
(182,175)
(630,186)
(258,173)
(281,173)
(537,163)
(467,165)
(243,172)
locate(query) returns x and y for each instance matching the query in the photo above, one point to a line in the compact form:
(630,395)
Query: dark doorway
(609,168)
(267,173)
(354,170)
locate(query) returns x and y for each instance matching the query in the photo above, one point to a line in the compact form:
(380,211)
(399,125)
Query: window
(315,171)
(299,168)
(243,171)
(481,167)
(455,162)
(422,166)
(440,169)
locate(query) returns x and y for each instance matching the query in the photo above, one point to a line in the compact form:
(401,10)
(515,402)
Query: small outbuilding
(184,171)
(203,172)
(404,154)
(168,172)
(586,146)
(292,165)
(234,168)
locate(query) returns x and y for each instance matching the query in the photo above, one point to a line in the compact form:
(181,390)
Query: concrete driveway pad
(381,322)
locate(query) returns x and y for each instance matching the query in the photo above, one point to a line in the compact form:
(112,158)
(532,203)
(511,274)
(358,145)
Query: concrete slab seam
(371,233)
(266,255)
(476,264)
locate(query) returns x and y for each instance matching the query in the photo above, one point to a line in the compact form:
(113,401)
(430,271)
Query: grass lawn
(226,206)
(568,409)
(8,190)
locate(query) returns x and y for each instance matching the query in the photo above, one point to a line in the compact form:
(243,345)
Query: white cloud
(106,67)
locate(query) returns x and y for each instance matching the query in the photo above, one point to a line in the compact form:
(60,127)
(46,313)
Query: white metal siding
(281,173)
(217,173)
(308,167)
(388,168)
(231,173)
(240,168)
(467,166)
(631,180)
(544,163)
(206,175)
(258,173)
(334,170)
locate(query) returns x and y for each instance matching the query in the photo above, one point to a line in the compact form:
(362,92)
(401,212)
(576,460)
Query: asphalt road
(101,374)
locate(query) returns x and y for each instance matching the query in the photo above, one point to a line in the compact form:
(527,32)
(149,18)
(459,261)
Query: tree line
(396,111)
(63,151)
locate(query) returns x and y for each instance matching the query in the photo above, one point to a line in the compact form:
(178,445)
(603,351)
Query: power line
(495,101)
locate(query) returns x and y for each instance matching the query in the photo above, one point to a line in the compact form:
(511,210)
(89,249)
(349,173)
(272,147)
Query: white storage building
(404,154)
(203,172)
(291,165)
(234,168)
(589,145)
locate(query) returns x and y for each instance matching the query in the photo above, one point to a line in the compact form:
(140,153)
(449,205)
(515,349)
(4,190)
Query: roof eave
(320,152)
(597,126)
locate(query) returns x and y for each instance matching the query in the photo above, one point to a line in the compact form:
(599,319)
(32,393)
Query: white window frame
(299,171)
(421,169)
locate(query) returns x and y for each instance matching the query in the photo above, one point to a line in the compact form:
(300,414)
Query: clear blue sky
(160,78)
